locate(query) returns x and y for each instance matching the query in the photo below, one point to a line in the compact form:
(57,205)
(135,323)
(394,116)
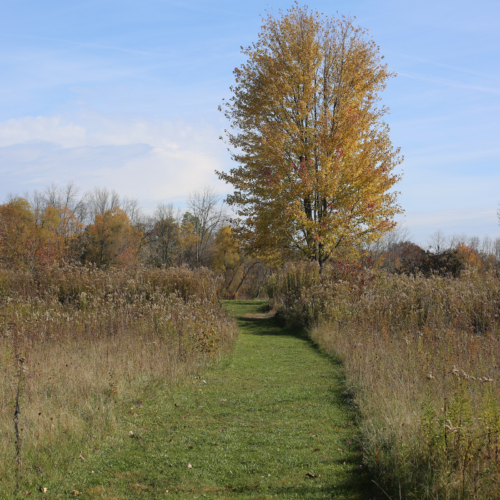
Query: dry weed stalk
(422,357)
(19,362)
(94,338)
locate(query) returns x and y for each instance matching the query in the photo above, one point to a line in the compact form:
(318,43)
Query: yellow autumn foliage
(315,161)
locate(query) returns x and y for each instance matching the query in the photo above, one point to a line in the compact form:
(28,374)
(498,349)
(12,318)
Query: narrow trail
(271,422)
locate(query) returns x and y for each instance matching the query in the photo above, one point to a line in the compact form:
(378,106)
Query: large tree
(315,161)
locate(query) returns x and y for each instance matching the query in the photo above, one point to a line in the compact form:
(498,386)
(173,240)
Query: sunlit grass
(421,356)
(269,421)
(77,342)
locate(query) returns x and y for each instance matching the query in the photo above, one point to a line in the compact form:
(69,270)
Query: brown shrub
(421,357)
(76,341)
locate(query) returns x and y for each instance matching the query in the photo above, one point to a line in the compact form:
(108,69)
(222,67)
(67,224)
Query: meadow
(83,348)
(421,357)
(79,344)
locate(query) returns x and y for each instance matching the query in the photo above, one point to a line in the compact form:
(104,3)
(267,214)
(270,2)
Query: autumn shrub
(421,358)
(66,282)
(303,296)
(79,342)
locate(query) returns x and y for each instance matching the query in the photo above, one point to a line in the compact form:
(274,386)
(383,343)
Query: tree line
(397,253)
(101,228)
(315,176)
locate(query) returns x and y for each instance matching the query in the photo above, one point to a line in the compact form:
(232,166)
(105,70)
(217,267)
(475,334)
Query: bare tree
(496,248)
(131,207)
(456,240)
(475,243)
(398,235)
(388,243)
(438,242)
(487,246)
(162,234)
(60,198)
(208,215)
(100,200)
(66,197)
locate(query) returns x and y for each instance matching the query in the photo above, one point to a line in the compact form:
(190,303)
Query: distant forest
(106,230)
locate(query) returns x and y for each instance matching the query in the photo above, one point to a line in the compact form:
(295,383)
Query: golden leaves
(314,158)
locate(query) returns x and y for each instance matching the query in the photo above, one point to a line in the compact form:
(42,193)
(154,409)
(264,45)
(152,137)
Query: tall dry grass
(76,342)
(421,357)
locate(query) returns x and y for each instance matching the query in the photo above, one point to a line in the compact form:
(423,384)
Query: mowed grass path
(270,422)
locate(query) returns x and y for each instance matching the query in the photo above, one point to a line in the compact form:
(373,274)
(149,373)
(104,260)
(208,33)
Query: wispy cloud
(151,160)
(451,83)
(203,7)
(445,66)
(42,129)
(89,45)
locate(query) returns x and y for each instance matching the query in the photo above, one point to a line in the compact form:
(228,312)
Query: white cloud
(154,161)
(41,129)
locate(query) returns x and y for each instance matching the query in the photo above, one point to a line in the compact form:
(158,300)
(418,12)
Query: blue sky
(124,94)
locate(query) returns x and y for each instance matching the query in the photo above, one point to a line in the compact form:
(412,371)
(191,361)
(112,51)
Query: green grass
(252,427)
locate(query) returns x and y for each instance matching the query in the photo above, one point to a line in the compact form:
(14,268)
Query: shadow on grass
(360,483)
(274,326)
(356,487)
(268,326)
